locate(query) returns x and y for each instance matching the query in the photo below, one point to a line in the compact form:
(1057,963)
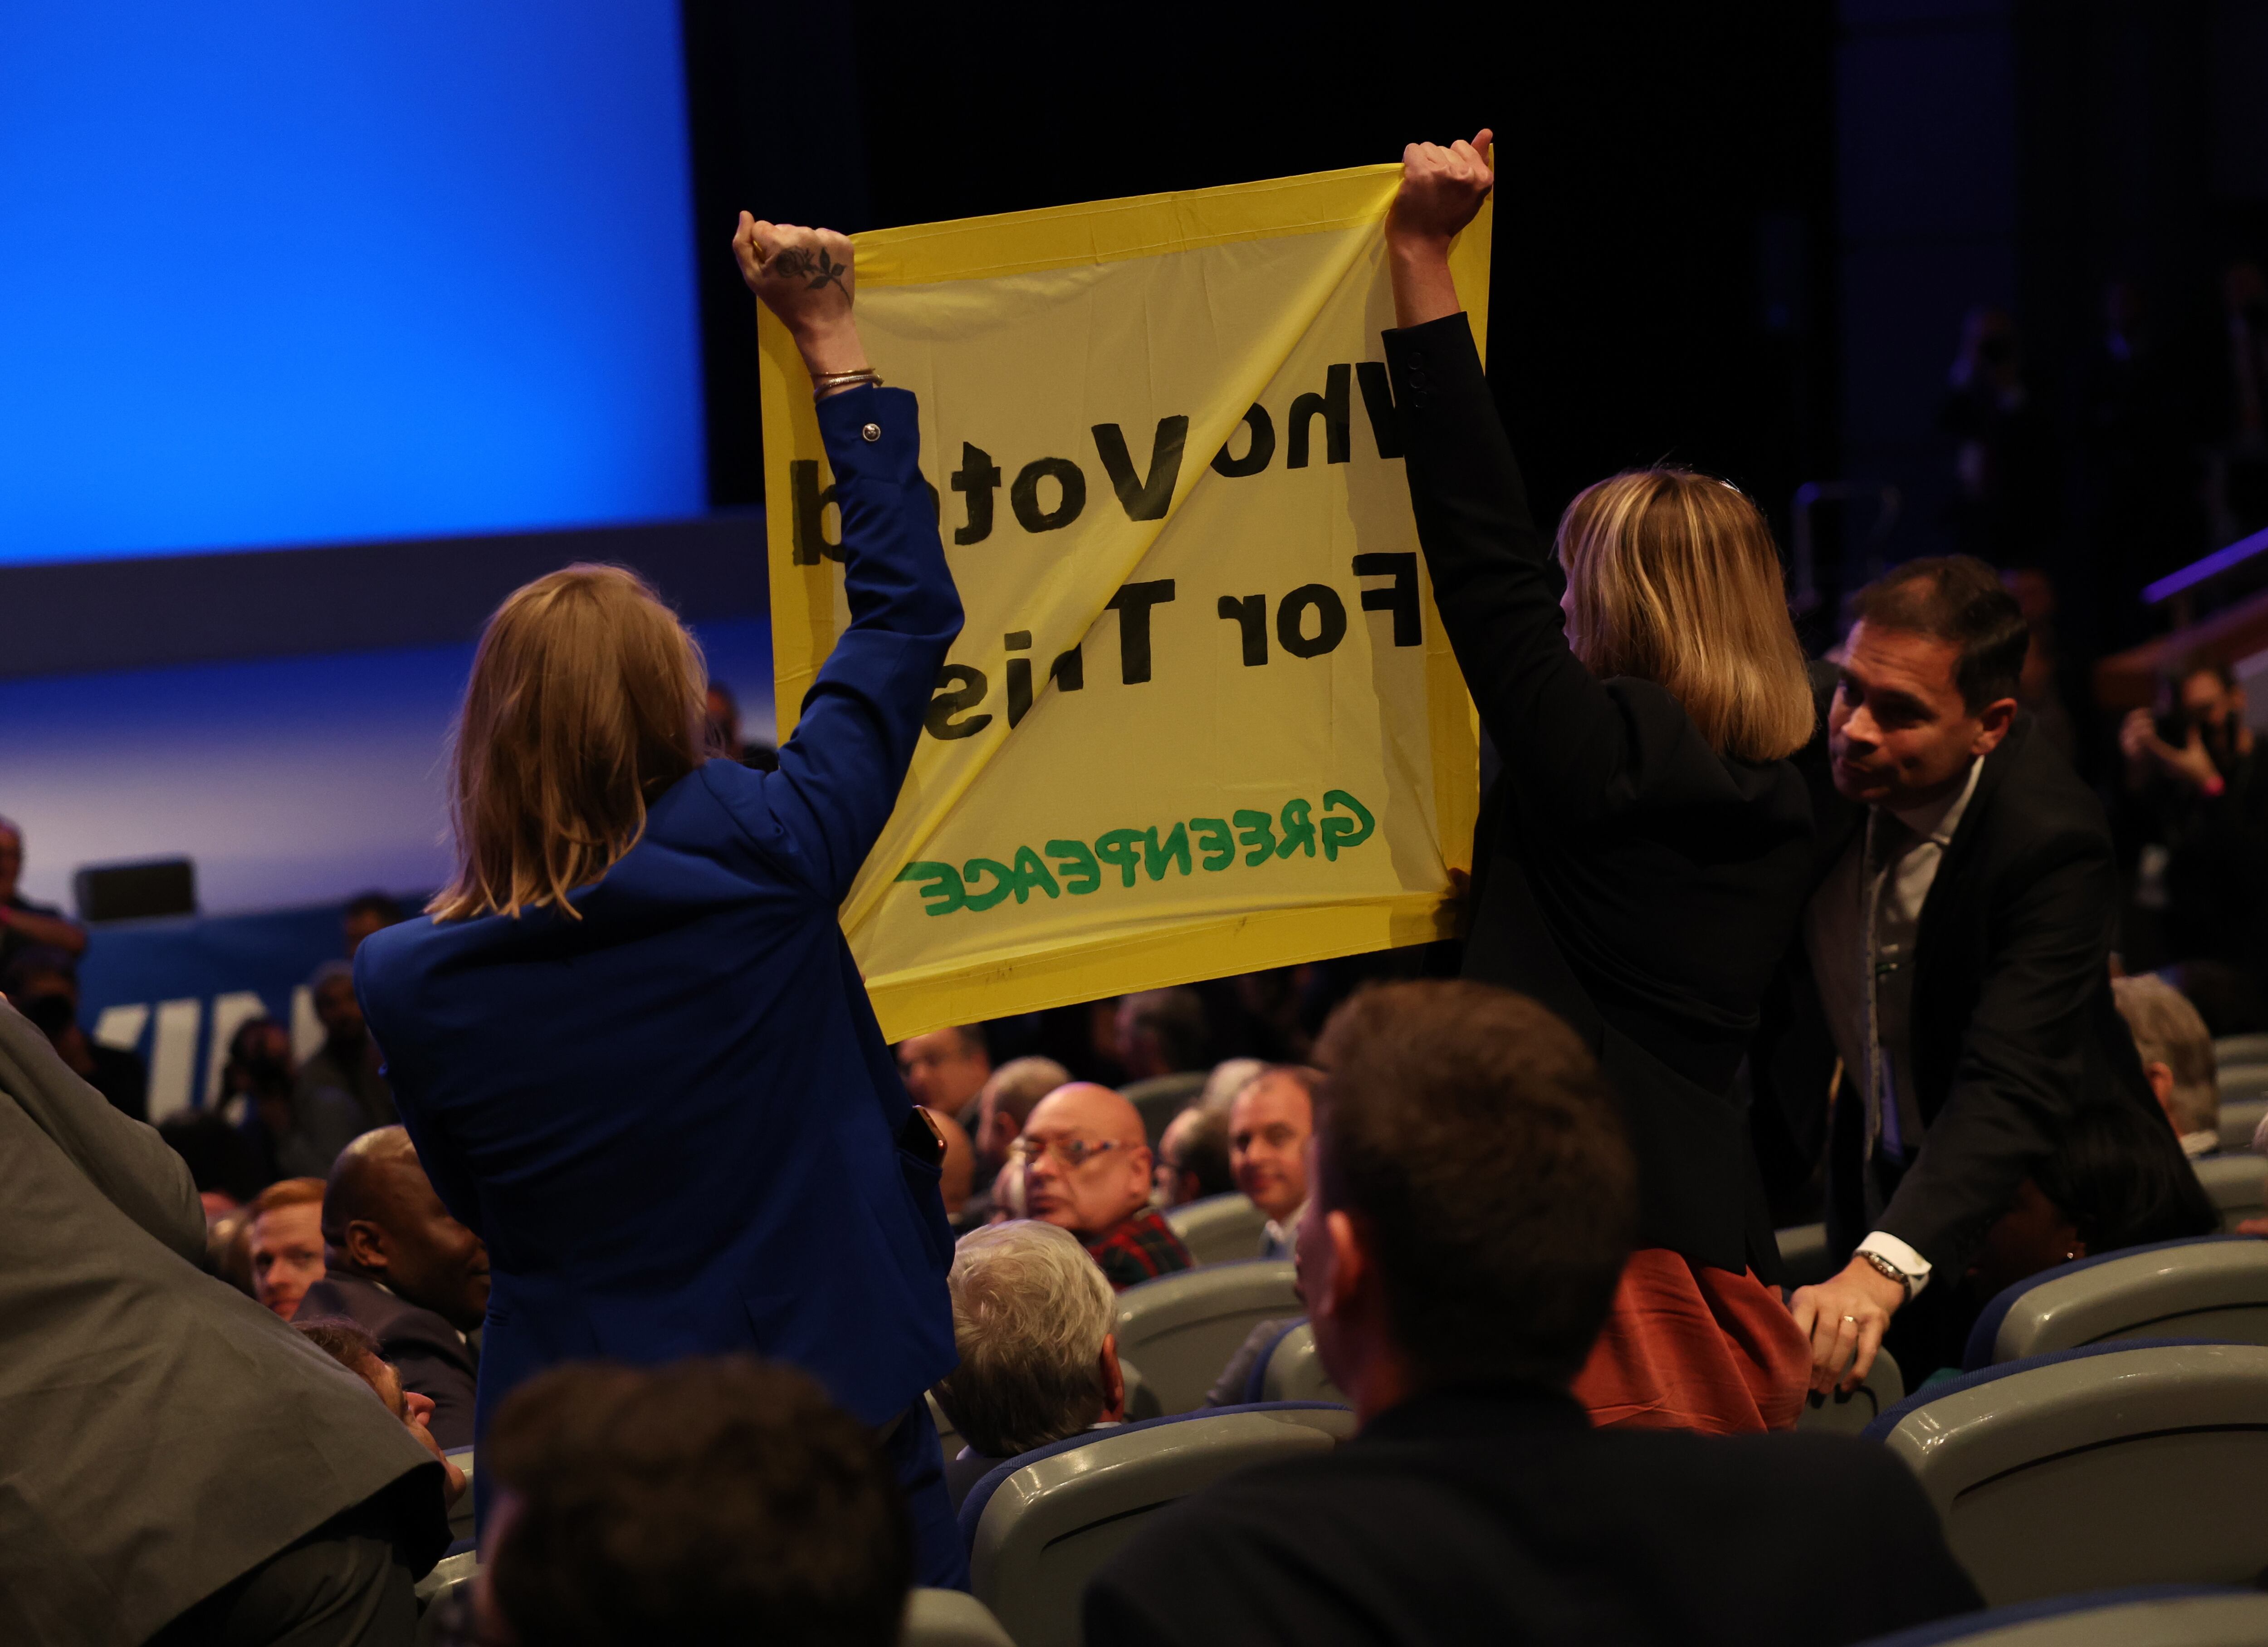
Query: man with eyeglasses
(1085,1168)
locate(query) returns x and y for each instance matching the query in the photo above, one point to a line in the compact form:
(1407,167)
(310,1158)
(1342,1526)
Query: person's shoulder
(2037,800)
(1775,1478)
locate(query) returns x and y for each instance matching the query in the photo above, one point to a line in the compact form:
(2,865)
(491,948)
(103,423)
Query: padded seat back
(1183,1329)
(1161,1098)
(2231,1051)
(2243,1083)
(2240,1119)
(1219,1229)
(1803,1257)
(1883,1388)
(1041,1525)
(1292,1371)
(445,1598)
(2117,1464)
(460,1513)
(2215,1288)
(2237,1184)
(2154,1616)
(950,1618)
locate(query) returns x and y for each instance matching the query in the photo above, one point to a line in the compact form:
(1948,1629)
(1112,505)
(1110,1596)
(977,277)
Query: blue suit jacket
(675,1121)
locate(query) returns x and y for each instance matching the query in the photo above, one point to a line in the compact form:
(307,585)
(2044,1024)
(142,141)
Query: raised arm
(839,774)
(1558,729)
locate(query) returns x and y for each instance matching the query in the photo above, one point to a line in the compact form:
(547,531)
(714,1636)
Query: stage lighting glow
(282,274)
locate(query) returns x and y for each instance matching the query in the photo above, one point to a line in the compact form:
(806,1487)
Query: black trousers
(343,1586)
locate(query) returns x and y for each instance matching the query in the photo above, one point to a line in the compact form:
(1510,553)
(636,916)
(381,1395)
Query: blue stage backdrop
(273,272)
(174,991)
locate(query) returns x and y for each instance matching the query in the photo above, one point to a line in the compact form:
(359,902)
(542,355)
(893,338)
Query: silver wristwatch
(1885,1267)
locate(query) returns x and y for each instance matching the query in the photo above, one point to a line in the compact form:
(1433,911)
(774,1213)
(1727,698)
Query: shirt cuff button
(871,433)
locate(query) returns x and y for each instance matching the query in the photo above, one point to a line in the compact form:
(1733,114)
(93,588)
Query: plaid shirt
(1141,1247)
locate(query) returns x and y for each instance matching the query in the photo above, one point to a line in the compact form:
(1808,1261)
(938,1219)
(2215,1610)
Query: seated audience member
(1226,1080)
(228,1251)
(298,1133)
(42,984)
(723,714)
(1033,1319)
(401,1270)
(1003,1105)
(710,1500)
(1085,1166)
(23,923)
(2111,1183)
(1163,1032)
(1473,1203)
(358,1352)
(1193,1158)
(221,1163)
(957,1172)
(366,914)
(1270,1123)
(181,1469)
(348,1061)
(286,1242)
(945,1069)
(2176,1058)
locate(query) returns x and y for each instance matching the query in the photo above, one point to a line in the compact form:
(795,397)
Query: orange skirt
(1694,1348)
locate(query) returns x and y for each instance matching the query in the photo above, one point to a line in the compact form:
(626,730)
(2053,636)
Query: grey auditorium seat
(2117,1464)
(1883,1387)
(2215,1287)
(1219,1229)
(1292,1371)
(1803,1255)
(1161,1098)
(2236,1184)
(1183,1329)
(2154,1615)
(950,1618)
(2243,1083)
(445,1597)
(2240,1119)
(1040,1525)
(2233,1051)
(460,1513)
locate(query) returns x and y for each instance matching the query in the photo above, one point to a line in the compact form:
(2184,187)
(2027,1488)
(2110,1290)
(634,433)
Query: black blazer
(432,1356)
(1506,1518)
(1626,874)
(2013,1023)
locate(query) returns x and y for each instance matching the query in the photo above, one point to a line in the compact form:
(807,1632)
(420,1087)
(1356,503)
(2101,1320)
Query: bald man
(399,1267)
(1087,1164)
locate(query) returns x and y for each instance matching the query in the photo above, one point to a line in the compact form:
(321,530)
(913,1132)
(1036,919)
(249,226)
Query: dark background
(1740,237)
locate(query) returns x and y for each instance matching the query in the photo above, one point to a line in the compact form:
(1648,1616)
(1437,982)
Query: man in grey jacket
(177,1463)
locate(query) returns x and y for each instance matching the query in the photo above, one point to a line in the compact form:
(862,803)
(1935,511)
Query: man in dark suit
(1473,1203)
(178,1465)
(1957,947)
(399,1267)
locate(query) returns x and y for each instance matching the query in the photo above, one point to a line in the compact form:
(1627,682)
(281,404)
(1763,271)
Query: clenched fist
(805,276)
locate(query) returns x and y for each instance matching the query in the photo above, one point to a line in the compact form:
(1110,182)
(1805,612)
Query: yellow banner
(1202,720)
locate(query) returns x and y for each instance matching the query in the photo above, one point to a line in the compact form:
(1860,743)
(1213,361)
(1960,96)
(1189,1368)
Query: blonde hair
(1674,580)
(586,702)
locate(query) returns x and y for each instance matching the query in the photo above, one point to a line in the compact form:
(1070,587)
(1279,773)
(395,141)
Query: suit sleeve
(136,1170)
(2022,1068)
(839,774)
(430,1370)
(1564,737)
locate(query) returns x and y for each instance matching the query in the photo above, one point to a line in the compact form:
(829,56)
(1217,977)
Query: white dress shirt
(1860,929)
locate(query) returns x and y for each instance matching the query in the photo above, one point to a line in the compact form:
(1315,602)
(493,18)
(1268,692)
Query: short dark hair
(1957,598)
(1204,1153)
(377,903)
(2119,1175)
(1474,1133)
(711,1500)
(346,1342)
(1177,1018)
